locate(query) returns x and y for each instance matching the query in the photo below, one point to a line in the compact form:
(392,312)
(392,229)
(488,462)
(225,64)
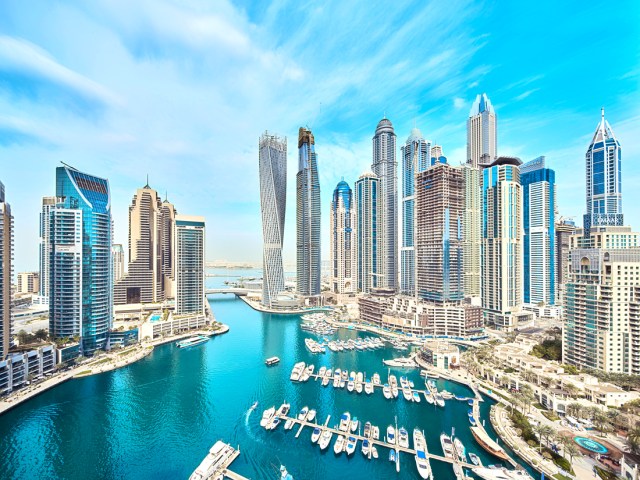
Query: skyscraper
(6,271)
(117,254)
(189,262)
(502,243)
(564,229)
(81,280)
(482,133)
(436,155)
(167,247)
(145,280)
(308,216)
(368,213)
(272,165)
(539,205)
(472,231)
(343,245)
(45,246)
(439,220)
(416,157)
(385,167)
(604,179)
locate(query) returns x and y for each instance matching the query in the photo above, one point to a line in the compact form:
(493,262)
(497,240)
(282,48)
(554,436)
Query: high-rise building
(189,262)
(48,203)
(472,231)
(6,271)
(81,280)
(308,216)
(604,179)
(539,205)
(145,280)
(28,282)
(117,258)
(167,247)
(272,165)
(385,167)
(343,240)
(436,155)
(564,228)
(482,133)
(416,157)
(502,244)
(368,251)
(602,301)
(439,220)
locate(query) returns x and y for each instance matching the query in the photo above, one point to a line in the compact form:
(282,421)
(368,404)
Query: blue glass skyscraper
(539,202)
(81,281)
(604,179)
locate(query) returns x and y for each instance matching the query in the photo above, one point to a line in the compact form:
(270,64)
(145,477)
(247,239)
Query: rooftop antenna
(602,112)
(147,185)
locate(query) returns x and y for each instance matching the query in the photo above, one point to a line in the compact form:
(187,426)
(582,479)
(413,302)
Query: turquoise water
(591,445)
(158,417)
(155,317)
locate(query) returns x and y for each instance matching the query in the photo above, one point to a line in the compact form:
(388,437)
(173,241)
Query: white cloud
(459,103)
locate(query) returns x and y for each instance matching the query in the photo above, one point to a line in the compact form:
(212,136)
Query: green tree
(633,440)
(41,334)
(571,450)
(539,430)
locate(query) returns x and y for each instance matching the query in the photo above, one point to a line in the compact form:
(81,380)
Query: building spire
(147,185)
(602,112)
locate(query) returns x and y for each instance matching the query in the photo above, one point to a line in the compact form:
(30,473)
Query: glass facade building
(6,271)
(482,133)
(539,204)
(368,251)
(190,262)
(342,234)
(81,279)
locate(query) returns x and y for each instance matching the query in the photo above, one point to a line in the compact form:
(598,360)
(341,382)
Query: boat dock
(217,463)
(373,441)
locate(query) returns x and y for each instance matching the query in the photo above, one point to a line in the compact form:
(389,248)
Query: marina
(216,464)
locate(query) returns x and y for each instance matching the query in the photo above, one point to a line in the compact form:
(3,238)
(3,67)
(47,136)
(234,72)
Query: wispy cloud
(524,95)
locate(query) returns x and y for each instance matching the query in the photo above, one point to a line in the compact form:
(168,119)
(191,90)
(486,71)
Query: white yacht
(303,413)
(366,448)
(375,432)
(447,445)
(376,379)
(315,435)
(288,425)
(351,445)
(338,447)
(267,416)
(297,371)
(325,439)
(391,435)
(354,424)
(322,371)
(311,415)
(345,422)
(368,387)
(336,378)
(416,397)
(386,391)
(422,461)
(460,450)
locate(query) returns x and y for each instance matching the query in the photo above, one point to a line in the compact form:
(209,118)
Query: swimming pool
(155,317)
(591,445)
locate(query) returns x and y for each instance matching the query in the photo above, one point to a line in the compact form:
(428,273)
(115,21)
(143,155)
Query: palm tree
(539,430)
(633,440)
(613,414)
(571,449)
(547,433)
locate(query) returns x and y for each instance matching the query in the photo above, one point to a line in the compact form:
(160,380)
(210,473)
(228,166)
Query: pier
(217,463)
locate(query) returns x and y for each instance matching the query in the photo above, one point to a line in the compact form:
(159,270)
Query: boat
(428,397)
(487,443)
(322,371)
(374,451)
(392,455)
(406,393)
(288,425)
(475,459)
(439,400)
(326,379)
(458,472)
(366,447)
(336,378)
(416,397)
(386,391)
(253,407)
(325,439)
(422,461)
(338,447)
(359,382)
(368,387)
(375,432)
(284,475)
(367,430)
(391,435)
(303,413)
(447,445)
(267,415)
(345,421)
(460,450)
(351,445)
(297,371)
(352,382)
(271,361)
(283,410)
(307,373)
(501,474)
(275,421)
(376,379)
(354,424)
(192,341)
(403,437)
(315,435)
(311,415)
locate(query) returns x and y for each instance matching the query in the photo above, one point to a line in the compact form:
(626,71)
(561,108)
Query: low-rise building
(630,467)
(28,282)
(441,355)
(22,367)
(172,326)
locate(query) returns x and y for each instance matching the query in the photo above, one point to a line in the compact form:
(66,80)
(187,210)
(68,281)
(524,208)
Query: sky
(182,90)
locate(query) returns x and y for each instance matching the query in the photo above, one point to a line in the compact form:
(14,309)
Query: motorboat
(422,461)
(366,447)
(267,416)
(283,410)
(368,387)
(406,393)
(253,407)
(359,382)
(501,474)
(336,378)
(375,432)
(403,437)
(376,379)
(325,439)
(307,373)
(354,424)
(352,442)
(315,435)
(311,415)
(416,397)
(391,435)
(298,368)
(326,378)
(345,421)
(367,430)
(374,451)
(288,425)
(303,413)
(392,455)
(322,371)
(386,391)
(475,459)
(447,445)
(275,421)
(460,450)
(429,398)
(284,475)
(338,447)
(439,400)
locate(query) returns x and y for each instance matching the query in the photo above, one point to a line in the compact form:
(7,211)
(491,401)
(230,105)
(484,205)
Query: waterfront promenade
(92,366)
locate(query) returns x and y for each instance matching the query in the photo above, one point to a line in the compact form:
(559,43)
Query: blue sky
(182,90)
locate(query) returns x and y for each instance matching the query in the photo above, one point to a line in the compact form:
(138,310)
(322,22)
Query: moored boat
(439,400)
(403,437)
(487,443)
(311,415)
(416,397)
(192,341)
(447,445)
(303,413)
(315,435)
(325,439)
(366,448)
(351,445)
(354,424)
(376,379)
(422,461)
(460,450)
(345,422)
(267,415)
(475,459)
(298,368)
(338,447)
(391,435)
(288,425)
(386,391)
(368,387)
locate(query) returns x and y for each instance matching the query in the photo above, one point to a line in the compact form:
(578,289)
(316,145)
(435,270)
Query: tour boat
(422,462)
(447,445)
(192,341)
(351,445)
(403,437)
(315,435)
(345,421)
(325,439)
(267,416)
(338,447)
